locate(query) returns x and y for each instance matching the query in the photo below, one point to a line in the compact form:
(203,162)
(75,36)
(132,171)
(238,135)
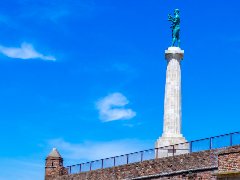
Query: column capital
(174,53)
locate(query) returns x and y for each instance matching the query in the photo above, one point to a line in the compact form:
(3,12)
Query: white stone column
(172,103)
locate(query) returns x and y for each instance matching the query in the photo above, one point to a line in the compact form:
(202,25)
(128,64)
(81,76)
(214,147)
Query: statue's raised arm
(175,26)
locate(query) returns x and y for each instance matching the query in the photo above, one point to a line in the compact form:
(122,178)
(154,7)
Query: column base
(170,146)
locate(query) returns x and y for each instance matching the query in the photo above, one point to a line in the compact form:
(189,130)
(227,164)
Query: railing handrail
(154,149)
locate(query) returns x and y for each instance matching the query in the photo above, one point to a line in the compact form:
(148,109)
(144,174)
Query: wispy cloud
(25,51)
(112,107)
(88,151)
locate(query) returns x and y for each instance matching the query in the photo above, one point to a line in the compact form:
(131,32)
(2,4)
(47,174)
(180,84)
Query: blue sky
(65,64)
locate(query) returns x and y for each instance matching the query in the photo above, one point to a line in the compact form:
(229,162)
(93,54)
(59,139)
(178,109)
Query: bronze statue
(175,26)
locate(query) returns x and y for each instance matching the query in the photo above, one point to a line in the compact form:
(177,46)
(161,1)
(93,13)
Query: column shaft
(172,101)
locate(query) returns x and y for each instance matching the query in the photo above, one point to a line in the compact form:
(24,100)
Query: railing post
(157,153)
(70,169)
(173,150)
(102,163)
(231,139)
(127,158)
(114,161)
(190,146)
(141,156)
(210,143)
(90,165)
(80,167)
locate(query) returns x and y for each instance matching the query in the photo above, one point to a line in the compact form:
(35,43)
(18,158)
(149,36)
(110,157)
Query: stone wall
(229,160)
(200,175)
(229,164)
(54,166)
(199,165)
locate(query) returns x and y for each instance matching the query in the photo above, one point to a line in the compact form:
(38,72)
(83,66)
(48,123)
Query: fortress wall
(199,165)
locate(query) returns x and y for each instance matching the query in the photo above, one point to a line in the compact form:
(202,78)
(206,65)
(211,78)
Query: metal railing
(177,149)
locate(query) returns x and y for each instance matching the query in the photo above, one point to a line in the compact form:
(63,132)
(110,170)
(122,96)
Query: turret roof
(54,153)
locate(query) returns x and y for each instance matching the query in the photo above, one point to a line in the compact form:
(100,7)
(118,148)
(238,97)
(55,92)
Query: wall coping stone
(228,174)
(230,151)
(177,172)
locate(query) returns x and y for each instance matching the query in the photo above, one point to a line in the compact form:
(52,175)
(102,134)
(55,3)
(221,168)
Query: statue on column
(175,27)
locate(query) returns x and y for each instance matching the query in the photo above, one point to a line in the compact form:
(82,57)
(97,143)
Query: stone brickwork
(229,164)
(206,175)
(54,165)
(229,160)
(200,165)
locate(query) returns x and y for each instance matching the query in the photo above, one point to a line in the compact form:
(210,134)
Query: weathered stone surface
(54,165)
(229,164)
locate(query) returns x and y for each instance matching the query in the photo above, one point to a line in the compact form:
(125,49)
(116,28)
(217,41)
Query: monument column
(172,102)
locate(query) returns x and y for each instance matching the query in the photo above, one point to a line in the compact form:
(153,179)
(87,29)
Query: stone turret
(54,164)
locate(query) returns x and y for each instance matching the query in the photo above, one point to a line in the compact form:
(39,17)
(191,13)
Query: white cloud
(26,51)
(111,108)
(88,151)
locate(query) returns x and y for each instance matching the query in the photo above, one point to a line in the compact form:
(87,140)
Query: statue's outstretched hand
(170,17)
